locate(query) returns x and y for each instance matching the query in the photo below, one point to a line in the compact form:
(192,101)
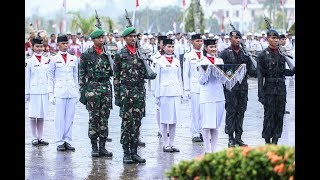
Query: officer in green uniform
(130,95)
(95,72)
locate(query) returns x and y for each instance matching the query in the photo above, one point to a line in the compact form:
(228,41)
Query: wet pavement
(45,162)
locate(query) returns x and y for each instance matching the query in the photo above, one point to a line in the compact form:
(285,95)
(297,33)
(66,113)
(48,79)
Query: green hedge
(263,162)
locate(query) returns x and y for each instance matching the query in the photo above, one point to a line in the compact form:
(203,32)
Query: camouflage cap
(96,33)
(128,31)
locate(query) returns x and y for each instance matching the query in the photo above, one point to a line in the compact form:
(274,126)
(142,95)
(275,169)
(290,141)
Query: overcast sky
(44,7)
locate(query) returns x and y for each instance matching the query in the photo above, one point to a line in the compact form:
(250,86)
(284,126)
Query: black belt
(101,79)
(132,83)
(275,80)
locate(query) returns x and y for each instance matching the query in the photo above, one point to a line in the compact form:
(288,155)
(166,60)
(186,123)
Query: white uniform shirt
(190,72)
(168,81)
(36,80)
(63,76)
(211,89)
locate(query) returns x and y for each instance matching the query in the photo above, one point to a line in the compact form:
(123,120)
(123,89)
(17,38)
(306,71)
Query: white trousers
(196,127)
(64,116)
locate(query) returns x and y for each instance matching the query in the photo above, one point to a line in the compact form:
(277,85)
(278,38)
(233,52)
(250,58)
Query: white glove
(52,100)
(158,101)
(27,97)
(208,71)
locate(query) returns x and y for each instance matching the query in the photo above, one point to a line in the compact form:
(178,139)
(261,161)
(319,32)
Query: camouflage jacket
(93,68)
(129,75)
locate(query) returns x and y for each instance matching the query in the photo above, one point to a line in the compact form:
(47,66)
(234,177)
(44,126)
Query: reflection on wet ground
(45,162)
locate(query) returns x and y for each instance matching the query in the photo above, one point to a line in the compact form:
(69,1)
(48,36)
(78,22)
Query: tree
(292,29)
(87,25)
(272,6)
(194,21)
(213,25)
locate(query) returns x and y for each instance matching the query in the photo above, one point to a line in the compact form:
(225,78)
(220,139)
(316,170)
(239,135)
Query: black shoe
(95,153)
(159,135)
(140,143)
(175,149)
(231,143)
(196,139)
(108,139)
(42,142)
(35,142)
(267,140)
(275,140)
(168,134)
(127,159)
(287,112)
(137,159)
(240,142)
(61,147)
(167,149)
(69,147)
(104,152)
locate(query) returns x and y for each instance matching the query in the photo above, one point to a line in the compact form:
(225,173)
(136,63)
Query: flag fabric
(229,74)
(64,4)
(245,4)
(222,24)
(183,3)
(137,3)
(282,4)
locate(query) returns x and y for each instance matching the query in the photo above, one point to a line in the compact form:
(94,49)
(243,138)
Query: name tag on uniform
(59,62)
(193,59)
(36,65)
(168,65)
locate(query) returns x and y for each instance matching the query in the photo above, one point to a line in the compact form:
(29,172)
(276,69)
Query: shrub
(263,162)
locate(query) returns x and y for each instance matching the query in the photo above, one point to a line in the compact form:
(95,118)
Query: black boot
(127,155)
(95,151)
(239,140)
(107,134)
(232,141)
(141,144)
(275,140)
(102,149)
(267,140)
(135,157)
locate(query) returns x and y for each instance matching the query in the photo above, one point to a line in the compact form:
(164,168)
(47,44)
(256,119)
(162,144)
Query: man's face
(63,46)
(235,40)
(283,41)
(98,41)
(131,39)
(197,43)
(273,41)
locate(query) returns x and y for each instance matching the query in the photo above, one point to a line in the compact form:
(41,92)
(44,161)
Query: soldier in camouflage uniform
(95,72)
(130,95)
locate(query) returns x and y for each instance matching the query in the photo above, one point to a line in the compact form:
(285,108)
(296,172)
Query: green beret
(128,31)
(96,33)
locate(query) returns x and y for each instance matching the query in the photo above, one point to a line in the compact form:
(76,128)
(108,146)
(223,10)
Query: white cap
(150,36)
(293,37)
(203,37)
(211,35)
(249,34)
(244,37)
(255,34)
(259,35)
(262,32)
(144,37)
(206,31)
(216,37)
(115,31)
(169,32)
(226,36)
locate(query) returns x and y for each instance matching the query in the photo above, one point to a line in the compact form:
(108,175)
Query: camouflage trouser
(130,130)
(99,111)
(132,111)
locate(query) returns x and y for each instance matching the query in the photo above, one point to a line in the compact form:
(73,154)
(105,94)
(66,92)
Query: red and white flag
(137,3)
(281,4)
(183,3)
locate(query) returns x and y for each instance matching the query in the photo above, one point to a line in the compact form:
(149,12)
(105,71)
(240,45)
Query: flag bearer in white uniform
(211,97)
(168,94)
(36,90)
(191,60)
(63,92)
